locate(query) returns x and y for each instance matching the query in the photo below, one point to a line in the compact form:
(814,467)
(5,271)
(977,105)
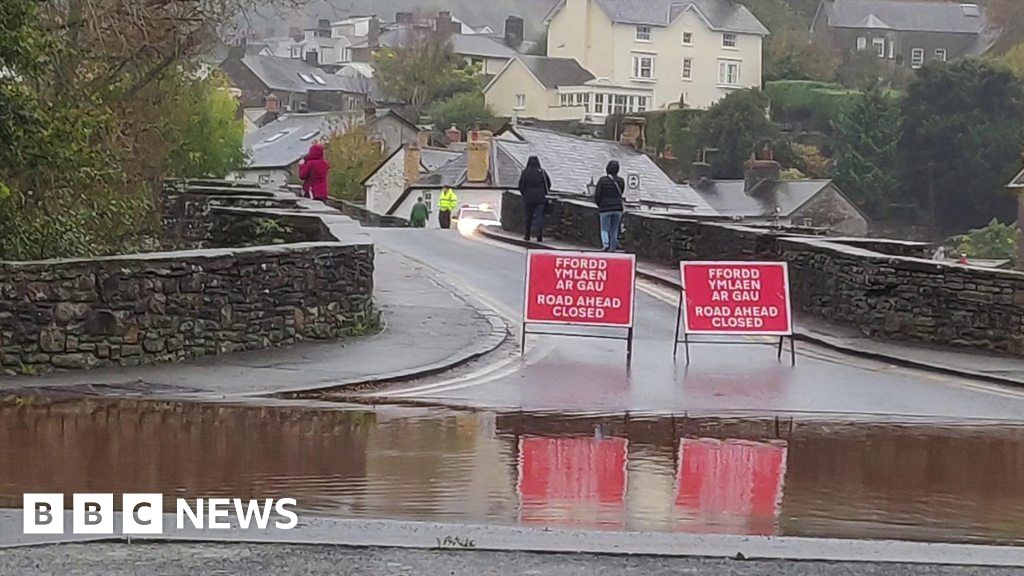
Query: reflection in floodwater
(954,483)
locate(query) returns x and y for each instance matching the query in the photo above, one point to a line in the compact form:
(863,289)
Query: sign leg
(679,322)
(629,346)
(522,341)
(792,350)
(782,339)
(686,346)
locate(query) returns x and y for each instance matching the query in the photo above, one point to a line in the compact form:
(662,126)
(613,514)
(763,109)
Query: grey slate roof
(290,135)
(722,15)
(729,198)
(285,74)
(480,45)
(555,72)
(574,162)
(434,158)
(903,15)
(1018,182)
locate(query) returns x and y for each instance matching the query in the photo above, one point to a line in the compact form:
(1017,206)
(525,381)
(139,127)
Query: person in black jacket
(608,198)
(534,185)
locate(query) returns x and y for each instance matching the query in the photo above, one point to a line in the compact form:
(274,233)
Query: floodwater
(950,483)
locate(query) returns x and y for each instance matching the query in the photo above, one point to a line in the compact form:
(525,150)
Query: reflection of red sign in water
(588,288)
(730,485)
(736,298)
(572,481)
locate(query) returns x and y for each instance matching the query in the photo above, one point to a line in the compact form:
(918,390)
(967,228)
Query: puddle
(954,483)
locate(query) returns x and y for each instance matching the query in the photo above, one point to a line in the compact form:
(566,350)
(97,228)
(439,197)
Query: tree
(424,71)
(737,126)
(464,111)
(353,157)
(996,241)
(961,143)
(205,131)
(1014,59)
(789,53)
(865,151)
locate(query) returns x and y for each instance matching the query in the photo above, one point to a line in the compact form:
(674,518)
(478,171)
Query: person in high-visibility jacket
(446,204)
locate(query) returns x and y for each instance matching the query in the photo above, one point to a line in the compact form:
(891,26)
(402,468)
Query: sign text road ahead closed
(585,288)
(736,298)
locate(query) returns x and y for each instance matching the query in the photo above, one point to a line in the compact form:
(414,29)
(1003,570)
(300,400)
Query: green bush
(996,241)
(672,129)
(819,103)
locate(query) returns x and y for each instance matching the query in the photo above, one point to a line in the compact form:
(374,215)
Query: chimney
(273,103)
(444,25)
(311,58)
(413,155)
(454,135)
(373,36)
(757,171)
(700,174)
(633,132)
(323,24)
(514,31)
(237,51)
(403,18)
(423,138)
(478,156)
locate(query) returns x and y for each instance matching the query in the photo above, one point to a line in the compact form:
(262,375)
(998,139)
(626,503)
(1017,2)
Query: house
(488,54)
(491,164)
(905,33)
(762,197)
(532,87)
(391,130)
(679,53)
(405,167)
(275,149)
(296,85)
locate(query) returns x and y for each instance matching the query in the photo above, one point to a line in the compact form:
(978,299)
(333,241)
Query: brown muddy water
(952,483)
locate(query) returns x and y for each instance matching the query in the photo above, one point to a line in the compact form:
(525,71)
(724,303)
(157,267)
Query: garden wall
(883,294)
(313,280)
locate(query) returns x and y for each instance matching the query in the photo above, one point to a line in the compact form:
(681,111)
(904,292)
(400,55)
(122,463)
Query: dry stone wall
(883,288)
(145,308)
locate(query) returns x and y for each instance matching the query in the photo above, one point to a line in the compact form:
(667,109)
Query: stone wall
(367,218)
(144,308)
(877,286)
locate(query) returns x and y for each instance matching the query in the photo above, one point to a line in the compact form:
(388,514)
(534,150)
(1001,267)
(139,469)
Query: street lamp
(591,188)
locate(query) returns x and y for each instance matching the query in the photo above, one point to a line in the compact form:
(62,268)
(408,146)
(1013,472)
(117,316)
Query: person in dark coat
(608,197)
(534,185)
(313,173)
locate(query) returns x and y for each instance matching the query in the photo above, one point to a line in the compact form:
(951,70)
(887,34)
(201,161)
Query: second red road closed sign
(736,298)
(586,288)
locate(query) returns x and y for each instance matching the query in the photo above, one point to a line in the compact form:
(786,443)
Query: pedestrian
(939,254)
(963,259)
(313,173)
(608,197)
(446,204)
(534,185)
(420,213)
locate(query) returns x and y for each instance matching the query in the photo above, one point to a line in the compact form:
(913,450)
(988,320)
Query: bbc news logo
(143,514)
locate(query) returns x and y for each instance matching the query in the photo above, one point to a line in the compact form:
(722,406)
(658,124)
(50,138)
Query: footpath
(968,364)
(428,327)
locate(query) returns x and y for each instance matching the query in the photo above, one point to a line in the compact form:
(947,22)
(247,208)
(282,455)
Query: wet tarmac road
(586,375)
(910,481)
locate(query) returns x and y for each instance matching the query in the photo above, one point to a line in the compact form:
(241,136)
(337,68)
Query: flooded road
(952,483)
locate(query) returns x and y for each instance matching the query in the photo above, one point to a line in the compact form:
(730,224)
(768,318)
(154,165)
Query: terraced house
(656,54)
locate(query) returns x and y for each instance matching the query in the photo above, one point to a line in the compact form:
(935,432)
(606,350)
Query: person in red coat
(313,173)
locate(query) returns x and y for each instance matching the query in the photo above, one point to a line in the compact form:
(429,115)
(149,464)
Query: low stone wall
(145,308)
(366,217)
(851,282)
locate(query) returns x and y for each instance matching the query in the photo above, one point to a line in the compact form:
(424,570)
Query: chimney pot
(514,31)
(758,171)
(273,103)
(454,135)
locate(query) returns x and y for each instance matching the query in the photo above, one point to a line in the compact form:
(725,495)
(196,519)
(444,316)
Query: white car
(470,217)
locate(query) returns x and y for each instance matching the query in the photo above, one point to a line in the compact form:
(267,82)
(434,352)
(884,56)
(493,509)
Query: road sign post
(734,299)
(633,183)
(582,289)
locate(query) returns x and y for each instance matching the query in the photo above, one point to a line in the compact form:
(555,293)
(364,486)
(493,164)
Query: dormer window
(643,33)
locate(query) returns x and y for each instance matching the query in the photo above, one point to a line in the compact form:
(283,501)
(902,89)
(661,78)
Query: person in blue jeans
(608,198)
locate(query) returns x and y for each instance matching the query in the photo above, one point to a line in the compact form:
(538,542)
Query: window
(477,62)
(643,33)
(306,78)
(310,136)
(296,51)
(641,104)
(319,80)
(520,102)
(598,103)
(687,38)
(563,100)
(729,73)
(879,44)
(808,222)
(862,43)
(892,50)
(687,68)
(940,54)
(917,58)
(729,40)
(643,67)
(620,105)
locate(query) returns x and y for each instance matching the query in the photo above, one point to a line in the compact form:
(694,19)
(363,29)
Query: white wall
(384,187)
(466,196)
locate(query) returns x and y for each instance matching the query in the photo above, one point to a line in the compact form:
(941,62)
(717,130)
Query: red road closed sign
(586,288)
(736,298)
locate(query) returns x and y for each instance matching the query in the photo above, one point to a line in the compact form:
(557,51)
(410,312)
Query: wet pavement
(957,482)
